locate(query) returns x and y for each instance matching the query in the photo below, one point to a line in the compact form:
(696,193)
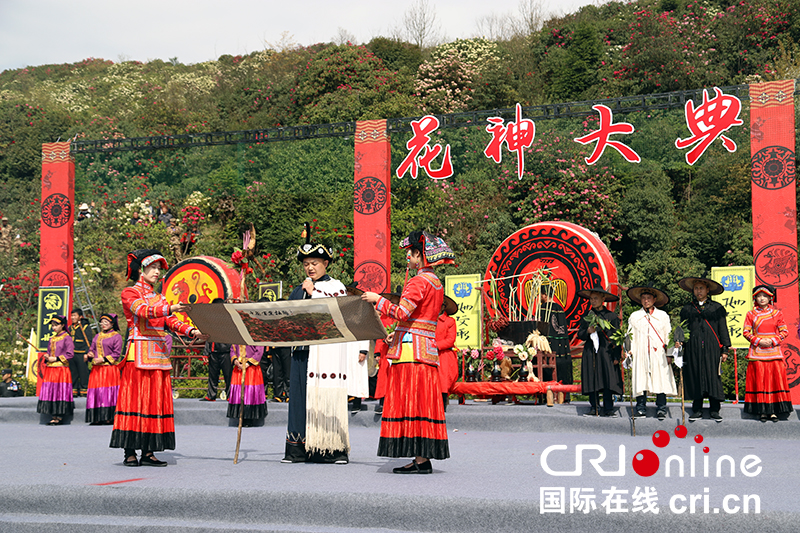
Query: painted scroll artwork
(289,323)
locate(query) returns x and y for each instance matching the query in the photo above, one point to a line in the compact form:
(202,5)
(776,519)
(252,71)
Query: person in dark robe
(558,339)
(706,348)
(600,369)
(219,359)
(305,374)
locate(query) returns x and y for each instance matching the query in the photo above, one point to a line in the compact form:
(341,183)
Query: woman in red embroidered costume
(413,423)
(55,398)
(766,388)
(144,416)
(106,355)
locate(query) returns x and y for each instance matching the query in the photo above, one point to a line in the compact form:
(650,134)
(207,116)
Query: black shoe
(207,399)
(608,413)
(293,460)
(715,416)
(378,409)
(773,417)
(662,414)
(696,415)
(414,468)
(130,462)
(150,460)
(639,414)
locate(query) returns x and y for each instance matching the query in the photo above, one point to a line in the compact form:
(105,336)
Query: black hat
(6,371)
(607,296)
(310,250)
(449,306)
(635,294)
(111,317)
(138,259)
(714,288)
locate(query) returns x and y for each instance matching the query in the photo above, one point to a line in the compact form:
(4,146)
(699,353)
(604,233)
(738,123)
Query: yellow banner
(737,298)
(52,301)
(32,365)
(464,289)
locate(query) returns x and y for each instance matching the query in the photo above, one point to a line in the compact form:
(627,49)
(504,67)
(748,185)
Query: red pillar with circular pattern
(372,207)
(772,173)
(58,217)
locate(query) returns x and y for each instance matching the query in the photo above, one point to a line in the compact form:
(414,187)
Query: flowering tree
(347,82)
(446,82)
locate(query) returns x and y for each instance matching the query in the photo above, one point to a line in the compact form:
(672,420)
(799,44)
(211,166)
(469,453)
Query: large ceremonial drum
(577,260)
(199,280)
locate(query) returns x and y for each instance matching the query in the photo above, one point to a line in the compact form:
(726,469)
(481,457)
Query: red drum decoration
(199,280)
(577,257)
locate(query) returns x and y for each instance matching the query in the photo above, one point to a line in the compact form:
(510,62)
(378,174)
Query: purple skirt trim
(102,397)
(253,394)
(56,392)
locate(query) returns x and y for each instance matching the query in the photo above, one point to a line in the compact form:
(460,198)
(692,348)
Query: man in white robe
(649,329)
(318,419)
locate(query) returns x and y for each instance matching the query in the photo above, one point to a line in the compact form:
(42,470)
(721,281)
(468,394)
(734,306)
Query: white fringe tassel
(327,420)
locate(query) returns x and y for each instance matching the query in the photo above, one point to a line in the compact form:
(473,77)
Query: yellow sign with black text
(737,298)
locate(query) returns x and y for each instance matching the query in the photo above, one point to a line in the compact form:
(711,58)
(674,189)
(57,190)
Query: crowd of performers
(131,388)
(698,352)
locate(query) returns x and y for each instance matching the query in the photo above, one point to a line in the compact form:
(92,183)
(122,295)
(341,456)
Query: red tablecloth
(489,388)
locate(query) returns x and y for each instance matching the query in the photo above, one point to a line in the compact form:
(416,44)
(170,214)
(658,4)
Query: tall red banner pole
(372,207)
(58,217)
(772,147)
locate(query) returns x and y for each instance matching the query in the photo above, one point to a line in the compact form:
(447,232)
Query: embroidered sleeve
(173,323)
(115,352)
(411,298)
(69,350)
(780,326)
(93,348)
(132,299)
(747,330)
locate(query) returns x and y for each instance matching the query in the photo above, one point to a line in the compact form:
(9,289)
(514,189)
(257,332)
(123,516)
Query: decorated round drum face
(198,281)
(576,260)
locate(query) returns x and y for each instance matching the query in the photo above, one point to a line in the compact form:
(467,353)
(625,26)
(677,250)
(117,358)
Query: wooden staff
(28,342)
(243,362)
(680,337)
(627,348)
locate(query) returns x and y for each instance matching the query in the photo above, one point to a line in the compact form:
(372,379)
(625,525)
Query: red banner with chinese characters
(772,164)
(372,207)
(58,216)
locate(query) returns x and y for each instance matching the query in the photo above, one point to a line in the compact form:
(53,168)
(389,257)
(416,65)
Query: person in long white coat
(649,329)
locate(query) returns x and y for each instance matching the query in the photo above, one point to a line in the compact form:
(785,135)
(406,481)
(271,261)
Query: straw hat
(714,288)
(635,294)
(607,296)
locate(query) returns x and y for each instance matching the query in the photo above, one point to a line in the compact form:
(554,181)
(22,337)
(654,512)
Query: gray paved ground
(67,479)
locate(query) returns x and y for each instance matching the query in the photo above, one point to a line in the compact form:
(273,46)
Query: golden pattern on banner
(56,153)
(771,94)
(371,131)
